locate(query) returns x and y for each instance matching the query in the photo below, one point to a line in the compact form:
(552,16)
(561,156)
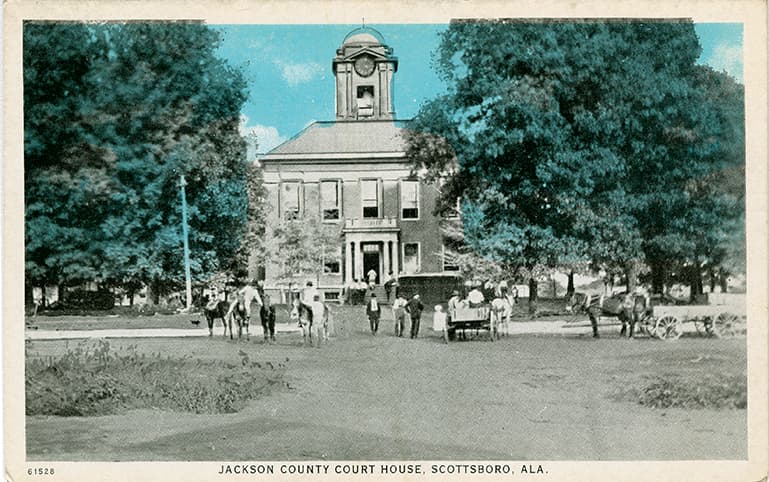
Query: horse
(299,313)
(628,308)
(240,317)
(213,310)
(501,312)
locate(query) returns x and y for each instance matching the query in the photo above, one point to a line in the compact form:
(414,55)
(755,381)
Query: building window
(329,200)
(448,263)
(411,258)
(332,261)
(365,100)
(370,198)
(410,199)
(290,199)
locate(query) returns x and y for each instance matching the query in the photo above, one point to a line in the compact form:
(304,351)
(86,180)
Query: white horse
(502,312)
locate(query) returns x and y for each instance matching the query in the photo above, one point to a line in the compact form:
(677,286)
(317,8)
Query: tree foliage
(582,142)
(114,115)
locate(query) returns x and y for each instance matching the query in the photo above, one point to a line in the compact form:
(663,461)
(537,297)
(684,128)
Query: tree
(561,137)
(298,247)
(114,115)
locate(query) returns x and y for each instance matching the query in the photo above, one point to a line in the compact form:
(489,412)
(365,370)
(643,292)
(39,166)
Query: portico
(370,244)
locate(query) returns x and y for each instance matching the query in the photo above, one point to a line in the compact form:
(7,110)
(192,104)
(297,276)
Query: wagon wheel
(704,325)
(668,328)
(724,325)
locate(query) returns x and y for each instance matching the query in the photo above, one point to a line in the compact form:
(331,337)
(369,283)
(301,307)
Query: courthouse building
(353,173)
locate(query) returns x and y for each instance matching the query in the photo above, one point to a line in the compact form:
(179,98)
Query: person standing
(414,308)
(371,275)
(267,316)
(373,312)
(388,284)
(317,326)
(362,288)
(399,313)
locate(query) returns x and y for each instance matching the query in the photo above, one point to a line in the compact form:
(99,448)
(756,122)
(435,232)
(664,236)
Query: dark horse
(628,308)
(213,311)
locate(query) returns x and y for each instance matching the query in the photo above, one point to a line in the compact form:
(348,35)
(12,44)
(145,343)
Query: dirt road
(525,397)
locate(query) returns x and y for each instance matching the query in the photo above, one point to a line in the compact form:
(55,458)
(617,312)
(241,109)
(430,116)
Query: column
(358,261)
(348,276)
(396,270)
(386,253)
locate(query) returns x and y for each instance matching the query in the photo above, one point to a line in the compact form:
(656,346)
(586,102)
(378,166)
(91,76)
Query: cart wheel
(704,326)
(668,328)
(724,325)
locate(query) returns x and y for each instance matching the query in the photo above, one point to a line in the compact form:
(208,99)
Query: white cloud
(267,137)
(296,74)
(727,57)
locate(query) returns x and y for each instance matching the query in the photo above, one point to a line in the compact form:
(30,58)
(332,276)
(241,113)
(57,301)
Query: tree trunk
(570,285)
(631,275)
(695,282)
(532,295)
(153,292)
(723,280)
(658,277)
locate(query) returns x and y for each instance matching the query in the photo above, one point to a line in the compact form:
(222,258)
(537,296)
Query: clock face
(364,65)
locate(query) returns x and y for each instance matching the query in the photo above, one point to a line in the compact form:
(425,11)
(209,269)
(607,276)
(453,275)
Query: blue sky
(288,68)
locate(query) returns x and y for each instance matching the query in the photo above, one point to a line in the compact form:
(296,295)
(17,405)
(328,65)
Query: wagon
(722,317)
(463,319)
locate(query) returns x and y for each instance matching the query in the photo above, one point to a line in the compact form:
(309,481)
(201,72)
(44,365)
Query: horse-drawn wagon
(476,318)
(721,317)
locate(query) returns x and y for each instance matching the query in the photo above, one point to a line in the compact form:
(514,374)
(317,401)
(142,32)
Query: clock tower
(364,68)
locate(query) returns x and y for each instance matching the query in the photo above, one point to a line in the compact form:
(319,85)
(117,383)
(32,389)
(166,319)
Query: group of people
(245,296)
(401,309)
(355,292)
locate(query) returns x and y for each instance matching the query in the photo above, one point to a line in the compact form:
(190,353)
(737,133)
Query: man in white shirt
(248,294)
(317,326)
(475,298)
(399,313)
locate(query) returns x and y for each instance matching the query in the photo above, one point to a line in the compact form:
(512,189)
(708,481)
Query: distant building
(353,173)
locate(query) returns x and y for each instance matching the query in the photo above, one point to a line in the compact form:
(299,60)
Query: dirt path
(361,397)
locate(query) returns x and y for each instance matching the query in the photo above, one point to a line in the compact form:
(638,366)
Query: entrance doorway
(371,261)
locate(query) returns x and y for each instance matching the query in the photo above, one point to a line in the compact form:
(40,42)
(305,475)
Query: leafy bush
(709,391)
(93,380)
(86,300)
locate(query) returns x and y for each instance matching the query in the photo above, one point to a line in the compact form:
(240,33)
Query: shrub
(94,380)
(709,391)
(86,300)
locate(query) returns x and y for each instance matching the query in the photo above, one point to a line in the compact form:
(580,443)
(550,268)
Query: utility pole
(185,234)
